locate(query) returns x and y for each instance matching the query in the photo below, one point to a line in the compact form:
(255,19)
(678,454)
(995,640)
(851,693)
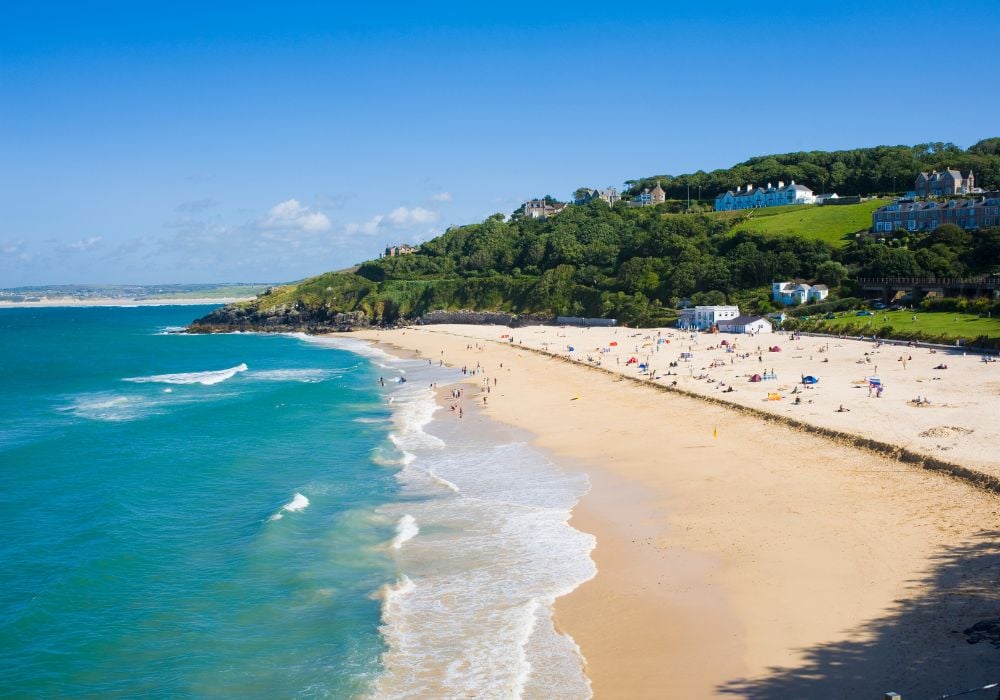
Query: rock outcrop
(295,317)
(283,318)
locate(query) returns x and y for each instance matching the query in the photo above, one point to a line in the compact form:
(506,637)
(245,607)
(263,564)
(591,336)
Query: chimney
(781,184)
(769,186)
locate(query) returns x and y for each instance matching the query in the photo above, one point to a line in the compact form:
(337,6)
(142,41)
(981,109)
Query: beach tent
(756,378)
(613,343)
(809,379)
(571,348)
(774,348)
(724,342)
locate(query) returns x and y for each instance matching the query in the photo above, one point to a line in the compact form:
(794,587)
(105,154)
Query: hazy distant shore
(744,557)
(56,302)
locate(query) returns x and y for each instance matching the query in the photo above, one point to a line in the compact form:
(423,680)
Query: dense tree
(858,171)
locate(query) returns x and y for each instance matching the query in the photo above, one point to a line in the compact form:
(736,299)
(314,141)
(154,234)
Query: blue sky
(198,142)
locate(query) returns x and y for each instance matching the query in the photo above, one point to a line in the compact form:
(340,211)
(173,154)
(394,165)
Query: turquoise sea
(256,516)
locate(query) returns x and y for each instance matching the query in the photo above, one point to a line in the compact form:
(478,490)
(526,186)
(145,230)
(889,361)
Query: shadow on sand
(943,638)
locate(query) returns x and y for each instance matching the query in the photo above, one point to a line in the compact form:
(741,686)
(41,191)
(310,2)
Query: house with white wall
(790,293)
(704,317)
(818,292)
(758,197)
(752,325)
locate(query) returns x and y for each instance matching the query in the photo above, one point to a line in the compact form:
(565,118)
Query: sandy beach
(746,558)
(74,302)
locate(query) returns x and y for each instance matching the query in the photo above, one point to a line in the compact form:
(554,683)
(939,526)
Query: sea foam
(205,378)
(502,521)
(305,376)
(406,530)
(298,502)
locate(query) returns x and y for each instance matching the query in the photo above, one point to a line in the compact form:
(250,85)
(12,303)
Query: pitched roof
(741,320)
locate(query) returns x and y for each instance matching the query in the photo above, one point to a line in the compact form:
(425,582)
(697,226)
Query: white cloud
(442,197)
(398,218)
(401,217)
(369,228)
(290,214)
(9,247)
(85,244)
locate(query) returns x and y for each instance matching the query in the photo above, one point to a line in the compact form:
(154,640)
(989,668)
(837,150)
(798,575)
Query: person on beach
(381,381)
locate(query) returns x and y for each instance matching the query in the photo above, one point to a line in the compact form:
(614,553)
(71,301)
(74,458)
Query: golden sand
(744,558)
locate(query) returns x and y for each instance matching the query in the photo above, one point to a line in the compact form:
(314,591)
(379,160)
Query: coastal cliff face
(295,317)
(283,318)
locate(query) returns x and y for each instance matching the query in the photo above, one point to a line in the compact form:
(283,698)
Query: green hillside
(835,225)
(635,264)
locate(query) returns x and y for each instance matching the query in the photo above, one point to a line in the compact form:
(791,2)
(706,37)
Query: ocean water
(255,516)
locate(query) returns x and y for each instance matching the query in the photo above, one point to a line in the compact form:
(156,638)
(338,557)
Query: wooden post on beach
(892,696)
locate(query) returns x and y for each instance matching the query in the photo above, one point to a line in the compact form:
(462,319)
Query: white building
(746,324)
(818,292)
(704,317)
(790,293)
(541,209)
(826,197)
(771,196)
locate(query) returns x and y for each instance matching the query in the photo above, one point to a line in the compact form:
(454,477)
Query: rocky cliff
(283,318)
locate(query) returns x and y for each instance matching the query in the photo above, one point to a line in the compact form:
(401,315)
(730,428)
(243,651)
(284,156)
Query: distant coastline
(71,302)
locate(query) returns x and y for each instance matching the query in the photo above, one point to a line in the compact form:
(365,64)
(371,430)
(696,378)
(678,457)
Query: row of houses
(911,215)
(770,196)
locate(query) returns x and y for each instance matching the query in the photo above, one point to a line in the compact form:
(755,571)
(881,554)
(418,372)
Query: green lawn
(834,224)
(947,326)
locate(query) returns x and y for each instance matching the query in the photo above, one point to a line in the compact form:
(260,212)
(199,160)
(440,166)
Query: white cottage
(818,292)
(751,325)
(790,293)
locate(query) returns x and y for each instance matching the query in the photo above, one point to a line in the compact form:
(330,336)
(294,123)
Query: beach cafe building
(704,317)
(746,324)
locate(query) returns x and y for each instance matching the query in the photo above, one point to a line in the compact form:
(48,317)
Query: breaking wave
(205,378)
(298,502)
